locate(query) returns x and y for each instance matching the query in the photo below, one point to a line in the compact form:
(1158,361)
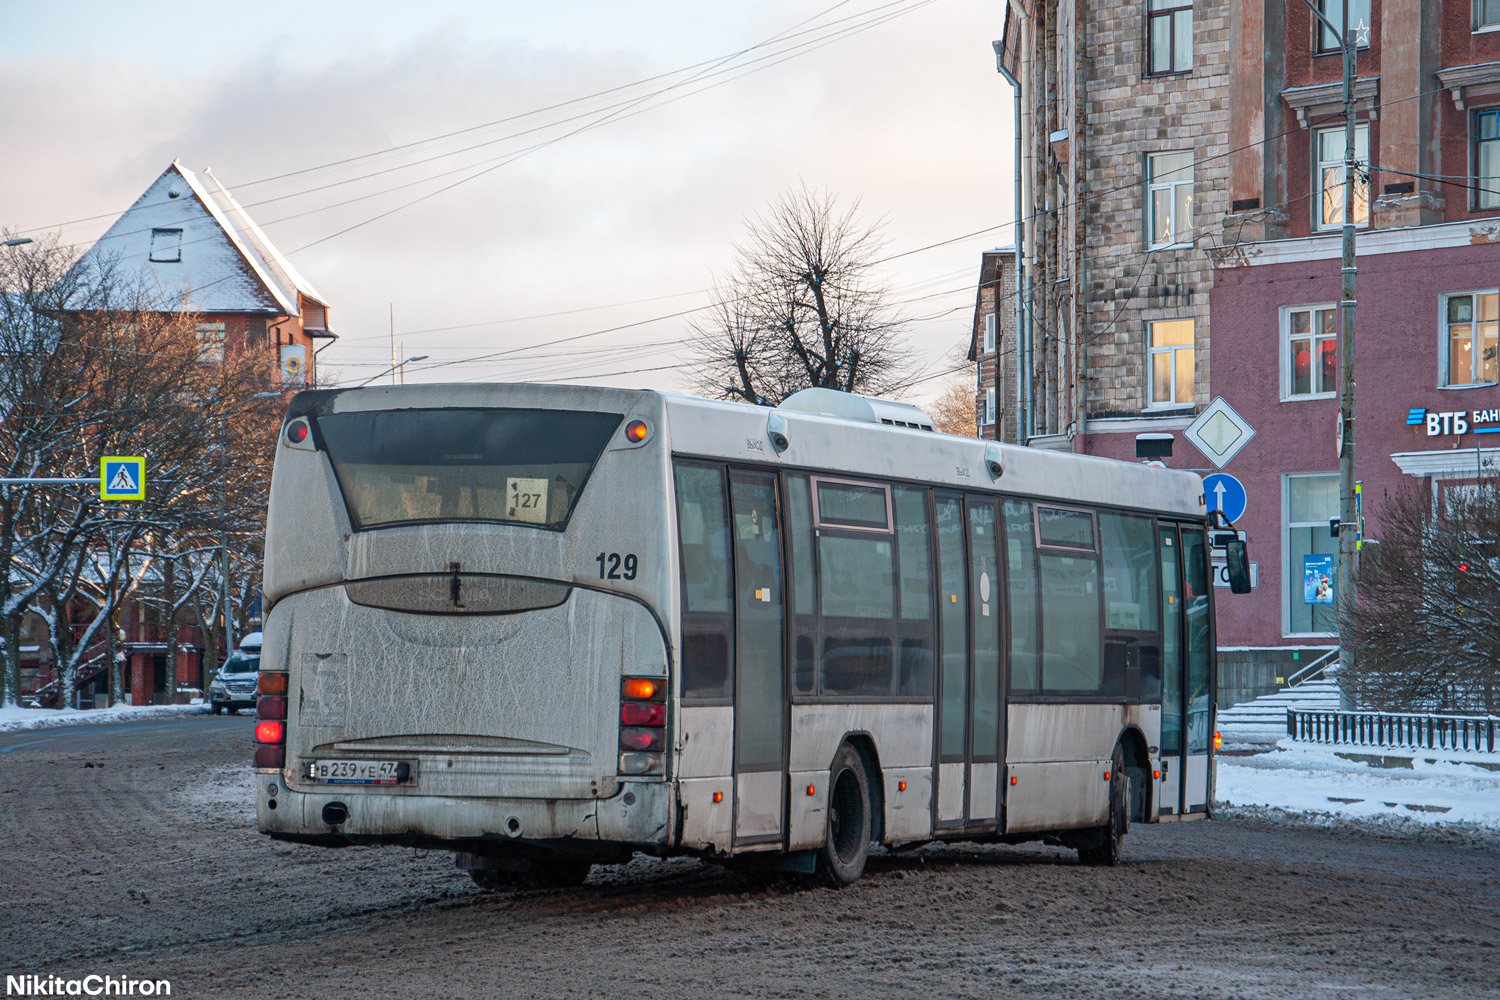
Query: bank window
(1171,357)
(1487,157)
(1169,37)
(1486,14)
(1359,24)
(1310,358)
(1312,566)
(1469,338)
(1169,198)
(1329,207)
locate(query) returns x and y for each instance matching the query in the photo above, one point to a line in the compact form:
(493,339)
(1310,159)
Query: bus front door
(1187,689)
(759,703)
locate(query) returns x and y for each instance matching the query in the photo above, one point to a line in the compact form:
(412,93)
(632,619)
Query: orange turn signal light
(637,431)
(1106,775)
(718,796)
(271,683)
(1013,779)
(1156,775)
(901,787)
(1218,740)
(812,789)
(639,687)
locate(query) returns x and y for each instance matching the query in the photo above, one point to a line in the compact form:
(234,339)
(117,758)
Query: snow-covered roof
(188,238)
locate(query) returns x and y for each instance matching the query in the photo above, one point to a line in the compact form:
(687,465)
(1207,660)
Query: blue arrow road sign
(1226,494)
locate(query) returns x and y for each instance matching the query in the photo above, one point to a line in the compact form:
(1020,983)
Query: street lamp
(17,242)
(224,514)
(387,371)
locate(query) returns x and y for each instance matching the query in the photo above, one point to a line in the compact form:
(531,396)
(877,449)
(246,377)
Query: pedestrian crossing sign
(122,477)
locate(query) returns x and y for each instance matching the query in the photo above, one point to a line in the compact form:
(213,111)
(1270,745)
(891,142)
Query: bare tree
(802,308)
(955,410)
(94,369)
(1426,625)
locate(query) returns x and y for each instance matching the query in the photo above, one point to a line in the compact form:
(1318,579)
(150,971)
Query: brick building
(993,346)
(1182,170)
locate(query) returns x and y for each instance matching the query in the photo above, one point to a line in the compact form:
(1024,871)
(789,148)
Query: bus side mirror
(1237,559)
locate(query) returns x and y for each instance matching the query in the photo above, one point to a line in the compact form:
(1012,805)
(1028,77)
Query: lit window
(1359,24)
(1172,363)
(1169,36)
(1486,13)
(989,334)
(1310,351)
(1487,158)
(1169,196)
(210,341)
(1469,338)
(1329,211)
(166,245)
(1312,566)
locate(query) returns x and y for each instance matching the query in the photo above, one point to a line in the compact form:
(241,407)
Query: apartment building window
(1329,210)
(989,333)
(1359,24)
(989,406)
(1487,158)
(1471,321)
(1169,37)
(1171,356)
(1486,14)
(166,245)
(1169,193)
(1309,355)
(210,341)
(1312,554)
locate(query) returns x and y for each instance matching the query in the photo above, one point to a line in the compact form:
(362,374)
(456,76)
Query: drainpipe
(1080,164)
(1022,429)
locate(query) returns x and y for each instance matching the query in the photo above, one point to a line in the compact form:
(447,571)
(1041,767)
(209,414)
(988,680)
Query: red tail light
(270,708)
(632,738)
(270,732)
(637,714)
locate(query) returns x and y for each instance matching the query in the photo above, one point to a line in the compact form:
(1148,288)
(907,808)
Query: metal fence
(1394,729)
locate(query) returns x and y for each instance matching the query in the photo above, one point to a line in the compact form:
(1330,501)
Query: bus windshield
(510,466)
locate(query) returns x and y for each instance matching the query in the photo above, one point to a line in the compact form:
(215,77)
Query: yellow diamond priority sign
(122,477)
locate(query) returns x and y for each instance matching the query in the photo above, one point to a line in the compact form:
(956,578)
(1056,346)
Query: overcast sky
(908,116)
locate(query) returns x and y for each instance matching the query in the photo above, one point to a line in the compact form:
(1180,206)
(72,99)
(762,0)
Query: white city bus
(546,627)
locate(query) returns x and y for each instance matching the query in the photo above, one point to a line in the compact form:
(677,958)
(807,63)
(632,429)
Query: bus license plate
(359,772)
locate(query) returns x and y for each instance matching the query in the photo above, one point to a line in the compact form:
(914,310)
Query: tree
(801,308)
(1426,623)
(93,369)
(955,411)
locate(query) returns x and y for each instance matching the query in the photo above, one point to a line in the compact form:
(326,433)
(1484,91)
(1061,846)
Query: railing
(1314,670)
(1394,729)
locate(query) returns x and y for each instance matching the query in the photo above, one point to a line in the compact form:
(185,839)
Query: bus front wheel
(847,846)
(1110,849)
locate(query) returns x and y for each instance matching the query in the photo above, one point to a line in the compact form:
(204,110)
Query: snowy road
(130,851)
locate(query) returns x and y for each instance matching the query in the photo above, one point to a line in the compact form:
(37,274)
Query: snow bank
(13,719)
(1322,785)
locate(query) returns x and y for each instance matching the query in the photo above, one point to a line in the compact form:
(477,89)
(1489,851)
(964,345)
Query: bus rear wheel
(1110,849)
(847,845)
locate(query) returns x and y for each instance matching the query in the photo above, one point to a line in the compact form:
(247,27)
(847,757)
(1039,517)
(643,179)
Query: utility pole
(1347,510)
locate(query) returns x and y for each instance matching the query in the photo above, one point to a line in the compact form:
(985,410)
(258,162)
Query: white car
(234,686)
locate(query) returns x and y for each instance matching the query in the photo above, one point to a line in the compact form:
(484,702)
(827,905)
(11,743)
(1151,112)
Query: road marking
(30,743)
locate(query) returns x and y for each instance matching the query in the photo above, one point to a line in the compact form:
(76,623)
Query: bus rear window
(510,466)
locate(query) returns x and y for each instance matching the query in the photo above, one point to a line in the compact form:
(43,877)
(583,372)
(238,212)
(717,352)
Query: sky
(579,184)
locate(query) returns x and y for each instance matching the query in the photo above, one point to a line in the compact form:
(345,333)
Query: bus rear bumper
(639,813)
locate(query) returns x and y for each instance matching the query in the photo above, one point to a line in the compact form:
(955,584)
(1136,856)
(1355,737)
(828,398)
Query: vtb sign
(1439,423)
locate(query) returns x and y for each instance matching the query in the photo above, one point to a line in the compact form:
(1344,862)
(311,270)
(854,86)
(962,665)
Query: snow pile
(1327,785)
(13,718)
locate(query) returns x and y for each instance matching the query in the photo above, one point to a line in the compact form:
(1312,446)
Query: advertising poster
(293,361)
(1317,579)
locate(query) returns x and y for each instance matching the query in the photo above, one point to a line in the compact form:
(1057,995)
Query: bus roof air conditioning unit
(849,406)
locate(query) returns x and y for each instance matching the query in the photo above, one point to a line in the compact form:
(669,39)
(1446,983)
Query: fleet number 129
(613,566)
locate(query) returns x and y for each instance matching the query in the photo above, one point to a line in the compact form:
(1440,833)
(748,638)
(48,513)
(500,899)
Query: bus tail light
(643,722)
(267,755)
(270,731)
(270,734)
(272,683)
(270,708)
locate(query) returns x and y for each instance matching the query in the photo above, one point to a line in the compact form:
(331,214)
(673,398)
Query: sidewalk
(1319,783)
(13,719)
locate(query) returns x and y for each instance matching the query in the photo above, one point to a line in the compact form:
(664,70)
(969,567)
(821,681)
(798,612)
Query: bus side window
(804,623)
(914,558)
(1072,633)
(707,608)
(1020,575)
(1132,597)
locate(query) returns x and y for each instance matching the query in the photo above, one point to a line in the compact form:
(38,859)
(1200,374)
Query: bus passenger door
(1187,690)
(1169,547)
(951,779)
(759,703)
(986,714)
